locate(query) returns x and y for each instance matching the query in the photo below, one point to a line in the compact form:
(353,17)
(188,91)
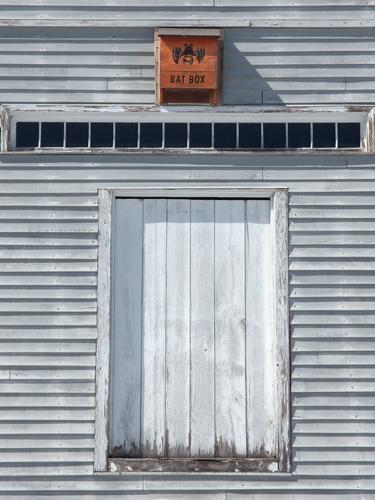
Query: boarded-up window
(193,348)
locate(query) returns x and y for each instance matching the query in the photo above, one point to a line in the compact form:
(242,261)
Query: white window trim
(279,228)
(187,114)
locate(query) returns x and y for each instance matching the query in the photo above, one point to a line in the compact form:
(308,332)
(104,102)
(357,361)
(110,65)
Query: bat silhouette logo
(188,54)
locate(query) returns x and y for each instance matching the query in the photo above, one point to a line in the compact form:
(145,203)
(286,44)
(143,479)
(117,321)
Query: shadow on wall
(242,83)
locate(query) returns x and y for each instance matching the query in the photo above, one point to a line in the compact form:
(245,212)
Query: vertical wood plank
(178,328)
(154,311)
(104,331)
(281,258)
(202,328)
(230,372)
(260,333)
(127,338)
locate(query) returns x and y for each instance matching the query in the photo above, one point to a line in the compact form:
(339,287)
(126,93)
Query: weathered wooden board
(154,327)
(202,319)
(230,329)
(177,352)
(126,347)
(187,378)
(260,341)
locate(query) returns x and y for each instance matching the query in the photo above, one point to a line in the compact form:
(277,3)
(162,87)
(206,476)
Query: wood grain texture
(261,345)
(303,57)
(197,390)
(127,345)
(350,414)
(177,403)
(104,330)
(280,215)
(154,327)
(202,297)
(230,329)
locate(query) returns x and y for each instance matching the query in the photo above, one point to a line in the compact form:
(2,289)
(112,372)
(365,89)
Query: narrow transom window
(169,134)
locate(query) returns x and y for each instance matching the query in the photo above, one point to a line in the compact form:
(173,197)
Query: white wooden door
(193,354)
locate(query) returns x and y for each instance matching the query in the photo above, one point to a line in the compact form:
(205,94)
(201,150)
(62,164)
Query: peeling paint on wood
(126,466)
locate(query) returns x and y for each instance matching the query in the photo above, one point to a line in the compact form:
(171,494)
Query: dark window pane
(324,135)
(101,135)
(200,135)
(225,135)
(274,135)
(77,135)
(299,135)
(250,135)
(52,135)
(27,135)
(349,135)
(126,135)
(175,135)
(151,135)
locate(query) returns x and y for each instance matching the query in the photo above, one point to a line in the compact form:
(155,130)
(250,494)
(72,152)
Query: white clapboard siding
(187,13)
(185,371)
(329,346)
(48,331)
(317,59)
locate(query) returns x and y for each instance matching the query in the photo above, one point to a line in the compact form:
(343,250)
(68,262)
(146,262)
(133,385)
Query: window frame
(279,230)
(191,114)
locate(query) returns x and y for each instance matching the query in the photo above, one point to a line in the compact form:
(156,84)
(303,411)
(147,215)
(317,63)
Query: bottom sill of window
(191,465)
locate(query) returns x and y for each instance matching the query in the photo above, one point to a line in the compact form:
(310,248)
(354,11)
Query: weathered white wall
(269,66)
(48,245)
(300,13)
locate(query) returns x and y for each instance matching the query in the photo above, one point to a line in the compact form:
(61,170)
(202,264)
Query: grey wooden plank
(37,457)
(47,387)
(124,496)
(202,296)
(339,373)
(154,327)
(46,401)
(177,403)
(46,428)
(126,345)
(260,332)
(48,293)
(51,374)
(47,469)
(71,333)
(331,305)
(230,322)
(332,386)
(47,306)
(37,443)
(104,328)
(69,347)
(43,320)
